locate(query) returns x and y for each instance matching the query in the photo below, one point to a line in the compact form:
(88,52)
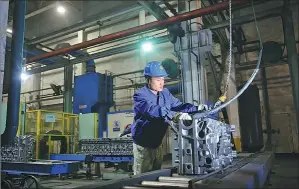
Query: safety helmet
(154,69)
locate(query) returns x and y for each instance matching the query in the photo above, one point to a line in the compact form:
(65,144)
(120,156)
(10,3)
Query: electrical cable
(230,49)
(240,92)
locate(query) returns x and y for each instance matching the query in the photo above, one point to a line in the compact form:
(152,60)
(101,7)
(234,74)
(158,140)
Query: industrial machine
(117,121)
(88,126)
(93,93)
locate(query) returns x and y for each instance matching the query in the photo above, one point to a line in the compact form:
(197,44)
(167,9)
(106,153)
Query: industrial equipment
(55,131)
(202,146)
(117,121)
(247,171)
(88,126)
(107,146)
(22,112)
(93,93)
(21,150)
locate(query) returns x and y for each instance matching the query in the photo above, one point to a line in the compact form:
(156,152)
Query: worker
(154,108)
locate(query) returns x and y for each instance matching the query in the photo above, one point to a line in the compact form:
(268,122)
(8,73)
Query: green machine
(3,113)
(88,126)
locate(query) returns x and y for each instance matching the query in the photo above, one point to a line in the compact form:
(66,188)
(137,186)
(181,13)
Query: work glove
(181,116)
(202,107)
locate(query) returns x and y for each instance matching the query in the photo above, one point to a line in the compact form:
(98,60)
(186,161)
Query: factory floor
(284,174)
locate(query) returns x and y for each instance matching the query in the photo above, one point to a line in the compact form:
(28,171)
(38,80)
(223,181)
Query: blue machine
(93,93)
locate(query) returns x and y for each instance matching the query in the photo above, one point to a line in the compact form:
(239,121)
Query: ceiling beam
(102,54)
(154,9)
(34,13)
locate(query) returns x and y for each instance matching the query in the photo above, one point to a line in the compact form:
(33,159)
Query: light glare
(24,76)
(147,46)
(61,9)
(8,30)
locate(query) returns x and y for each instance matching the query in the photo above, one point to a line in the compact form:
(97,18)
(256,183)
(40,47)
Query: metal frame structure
(158,24)
(37,125)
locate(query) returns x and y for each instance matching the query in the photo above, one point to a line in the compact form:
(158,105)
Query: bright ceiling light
(24,76)
(60,9)
(147,46)
(8,30)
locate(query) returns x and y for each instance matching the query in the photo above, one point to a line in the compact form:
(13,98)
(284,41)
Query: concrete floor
(285,174)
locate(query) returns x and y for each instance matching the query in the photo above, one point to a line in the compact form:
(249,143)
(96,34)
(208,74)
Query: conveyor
(250,171)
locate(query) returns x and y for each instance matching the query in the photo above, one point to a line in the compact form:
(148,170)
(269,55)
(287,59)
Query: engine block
(202,146)
(20,150)
(107,146)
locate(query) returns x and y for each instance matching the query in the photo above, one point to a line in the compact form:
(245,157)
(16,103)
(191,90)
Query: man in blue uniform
(154,108)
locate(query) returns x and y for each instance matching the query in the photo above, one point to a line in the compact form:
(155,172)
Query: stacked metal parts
(21,150)
(107,146)
(203,146)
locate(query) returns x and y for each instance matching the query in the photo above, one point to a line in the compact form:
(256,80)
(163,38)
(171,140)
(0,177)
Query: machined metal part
(208,148)
(107,146)
(174,179)
(172,184)
(20,150)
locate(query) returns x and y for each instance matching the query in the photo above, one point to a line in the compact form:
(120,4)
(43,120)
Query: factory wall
(282,113)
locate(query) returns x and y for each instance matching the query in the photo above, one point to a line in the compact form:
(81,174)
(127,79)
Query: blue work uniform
(152,115)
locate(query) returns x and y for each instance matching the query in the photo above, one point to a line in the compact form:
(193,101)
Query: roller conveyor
(250,171)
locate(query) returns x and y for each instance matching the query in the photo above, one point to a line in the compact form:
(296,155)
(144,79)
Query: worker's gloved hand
(203,107)
(181,116)
(185,116)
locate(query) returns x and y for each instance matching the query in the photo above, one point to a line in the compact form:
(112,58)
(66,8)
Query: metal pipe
(102,54)
(14,90)
(155,183)
(183,180)
(158,24)
(267,108)
(290,41)
(138,187)
(128,73)
(68,89)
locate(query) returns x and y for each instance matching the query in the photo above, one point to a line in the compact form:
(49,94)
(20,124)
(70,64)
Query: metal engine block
(107,146)
(202,146)
(20,150)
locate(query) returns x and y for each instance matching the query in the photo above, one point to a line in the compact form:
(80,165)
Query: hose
(240,92)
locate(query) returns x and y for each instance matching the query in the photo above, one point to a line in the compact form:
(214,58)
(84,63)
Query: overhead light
(60,9)
(24,76)
(147,46)
(8,30)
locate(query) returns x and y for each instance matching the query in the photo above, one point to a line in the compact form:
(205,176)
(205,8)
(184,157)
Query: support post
(82,36)
(3,25)
(14,91)
(266,108)
(290,41)
(68,89)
